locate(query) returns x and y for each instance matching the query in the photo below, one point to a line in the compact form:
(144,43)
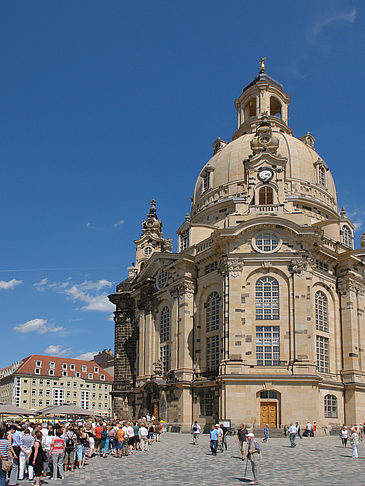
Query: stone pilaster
(183,294)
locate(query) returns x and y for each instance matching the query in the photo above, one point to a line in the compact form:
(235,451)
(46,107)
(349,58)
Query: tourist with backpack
(104,440)
(195,431)
(70,439)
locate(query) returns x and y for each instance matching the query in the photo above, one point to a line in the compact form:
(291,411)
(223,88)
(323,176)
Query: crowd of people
(50,449)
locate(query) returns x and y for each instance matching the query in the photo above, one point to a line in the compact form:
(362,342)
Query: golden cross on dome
(262,65)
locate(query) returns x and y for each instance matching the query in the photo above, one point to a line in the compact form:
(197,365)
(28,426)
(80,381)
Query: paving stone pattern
(175,461)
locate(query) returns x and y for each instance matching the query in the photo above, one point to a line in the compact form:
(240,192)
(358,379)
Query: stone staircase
(274,433)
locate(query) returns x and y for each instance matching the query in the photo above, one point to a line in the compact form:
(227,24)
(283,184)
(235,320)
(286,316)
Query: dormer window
(206,177)
(206,181)
(346,236)
(322,175)
(321,172)
(185,239)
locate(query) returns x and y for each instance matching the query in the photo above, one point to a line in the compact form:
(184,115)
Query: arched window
(266,195)
(275,107)
(165,325)
(267,299)
(322,175)
(330,406)
(347,236)
(321,311)
(212,312)
(250,109)
(268,394)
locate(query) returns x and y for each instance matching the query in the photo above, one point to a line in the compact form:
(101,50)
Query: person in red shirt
(56,452)
(98,431)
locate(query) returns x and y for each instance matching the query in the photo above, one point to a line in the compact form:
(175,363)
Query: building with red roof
(39,381)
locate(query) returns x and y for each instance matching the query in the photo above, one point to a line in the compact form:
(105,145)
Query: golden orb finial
(262,65)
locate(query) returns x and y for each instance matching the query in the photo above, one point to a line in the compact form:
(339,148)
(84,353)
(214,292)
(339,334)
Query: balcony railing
(265,208)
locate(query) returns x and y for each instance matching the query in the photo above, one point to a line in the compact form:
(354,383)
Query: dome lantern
(262,97)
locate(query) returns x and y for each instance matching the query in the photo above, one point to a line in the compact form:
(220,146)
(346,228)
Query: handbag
(6,464)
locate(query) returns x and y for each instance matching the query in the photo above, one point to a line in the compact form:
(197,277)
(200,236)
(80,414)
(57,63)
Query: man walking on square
(214,439)
(298,430)
(292,435)
(241,437)
(266,432)
(195,430)
(308,429)
(253,454)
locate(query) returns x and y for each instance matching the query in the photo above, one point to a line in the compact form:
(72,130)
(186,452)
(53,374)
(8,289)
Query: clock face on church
(265,175)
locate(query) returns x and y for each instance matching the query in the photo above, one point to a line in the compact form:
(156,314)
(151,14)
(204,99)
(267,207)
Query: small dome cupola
(262,97)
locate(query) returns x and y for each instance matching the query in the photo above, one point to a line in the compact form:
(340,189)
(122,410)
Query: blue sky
(105,105)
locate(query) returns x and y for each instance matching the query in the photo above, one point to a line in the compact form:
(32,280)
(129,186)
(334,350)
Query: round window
(147,250)
(266,242)
(161,280)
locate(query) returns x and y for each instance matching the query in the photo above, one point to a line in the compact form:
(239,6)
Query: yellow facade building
(37,382)
(258,317)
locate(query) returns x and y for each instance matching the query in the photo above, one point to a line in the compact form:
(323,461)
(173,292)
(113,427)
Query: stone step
(272,432)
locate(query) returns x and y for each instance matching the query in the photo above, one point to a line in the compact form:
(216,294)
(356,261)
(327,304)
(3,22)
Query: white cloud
(358,225)
(57,350)
(328,19)
(357,216)
(87,356)
(88,292)
(40,326)
(10,284)
(88,225)
(118,223)
(41,285)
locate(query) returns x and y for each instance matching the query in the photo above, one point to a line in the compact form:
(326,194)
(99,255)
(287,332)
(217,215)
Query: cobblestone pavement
(175,461)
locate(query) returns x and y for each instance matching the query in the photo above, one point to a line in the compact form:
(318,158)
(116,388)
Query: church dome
(263,138)
(226,169)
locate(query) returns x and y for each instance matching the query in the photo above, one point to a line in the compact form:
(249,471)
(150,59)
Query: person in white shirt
(220,438)
(354,441)
(46,444)
(44,430)
(292,435)
(142,433)
(308,429)
(195,430)
(130,433)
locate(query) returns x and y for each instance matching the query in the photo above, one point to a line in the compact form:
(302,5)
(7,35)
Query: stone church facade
(259,315)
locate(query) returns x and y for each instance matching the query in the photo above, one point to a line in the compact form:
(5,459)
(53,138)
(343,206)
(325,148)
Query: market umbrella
(43,411)
(68,409)
(10,409)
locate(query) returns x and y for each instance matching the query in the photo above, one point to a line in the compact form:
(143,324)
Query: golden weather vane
(262,65)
